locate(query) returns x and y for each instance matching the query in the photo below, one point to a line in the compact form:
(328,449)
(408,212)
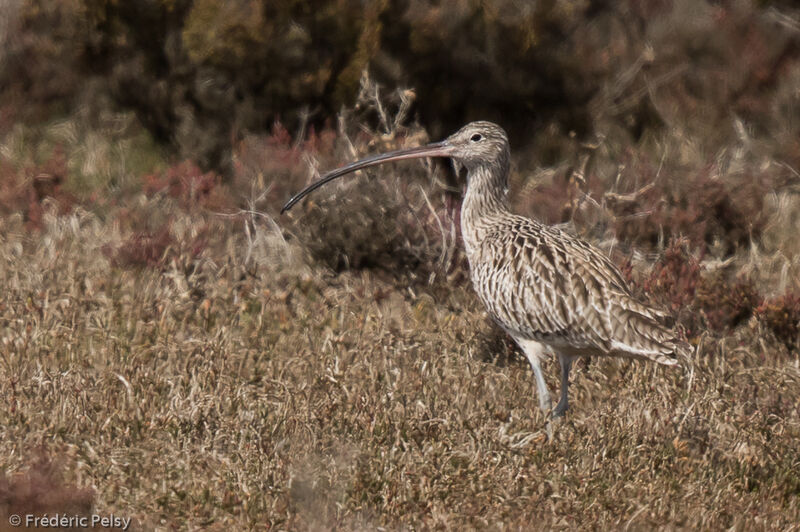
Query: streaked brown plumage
(549,290)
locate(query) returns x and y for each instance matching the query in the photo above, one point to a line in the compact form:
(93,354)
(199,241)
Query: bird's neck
(484,202)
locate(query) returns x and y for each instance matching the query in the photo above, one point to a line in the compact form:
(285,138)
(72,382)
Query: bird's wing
(543,284)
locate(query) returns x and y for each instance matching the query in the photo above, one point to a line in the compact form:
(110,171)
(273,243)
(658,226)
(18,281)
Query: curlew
(550,291)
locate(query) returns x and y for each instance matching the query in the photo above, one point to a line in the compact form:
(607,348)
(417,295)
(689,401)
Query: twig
(443,254)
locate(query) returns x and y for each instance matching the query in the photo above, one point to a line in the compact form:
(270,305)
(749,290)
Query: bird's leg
(541,387)
(534,352)
(563,403)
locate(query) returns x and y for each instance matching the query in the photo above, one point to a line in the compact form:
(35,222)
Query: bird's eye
(476,137)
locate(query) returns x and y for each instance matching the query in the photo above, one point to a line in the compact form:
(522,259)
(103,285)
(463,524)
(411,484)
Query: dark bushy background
(200,73)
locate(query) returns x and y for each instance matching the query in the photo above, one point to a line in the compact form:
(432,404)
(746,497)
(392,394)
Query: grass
(170,358)
(174,351)
(291,399)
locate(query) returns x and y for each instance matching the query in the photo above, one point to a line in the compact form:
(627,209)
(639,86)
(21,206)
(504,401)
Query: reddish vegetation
(8,117)
(143,250)
(726,303)
(703,300)
(698,205)
(280,158)
(560,200)
(41,490)
(675,277)
(155,249)
(28,191)
(188,184)
(782,316)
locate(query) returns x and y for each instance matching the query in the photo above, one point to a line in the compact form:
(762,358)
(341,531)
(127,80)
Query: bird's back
(542,284)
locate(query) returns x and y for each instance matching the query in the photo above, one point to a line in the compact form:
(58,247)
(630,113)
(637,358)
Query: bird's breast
(518,290)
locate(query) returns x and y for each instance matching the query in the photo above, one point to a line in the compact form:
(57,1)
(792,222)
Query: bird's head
(478,144)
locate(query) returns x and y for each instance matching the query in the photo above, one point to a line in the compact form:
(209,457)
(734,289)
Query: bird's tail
(647,336)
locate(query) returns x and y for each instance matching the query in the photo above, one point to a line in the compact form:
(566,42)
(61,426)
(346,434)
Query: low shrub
(782,316)
(707,210)
(703,300)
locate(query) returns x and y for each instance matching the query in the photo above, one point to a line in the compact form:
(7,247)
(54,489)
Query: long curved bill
(436,149)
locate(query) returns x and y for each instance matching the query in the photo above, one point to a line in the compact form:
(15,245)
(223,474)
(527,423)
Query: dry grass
(188,365)
(281,397)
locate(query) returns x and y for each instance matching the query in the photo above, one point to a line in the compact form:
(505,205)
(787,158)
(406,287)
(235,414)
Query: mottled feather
(542,284)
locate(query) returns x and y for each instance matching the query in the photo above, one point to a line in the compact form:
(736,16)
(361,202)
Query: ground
(189,364)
